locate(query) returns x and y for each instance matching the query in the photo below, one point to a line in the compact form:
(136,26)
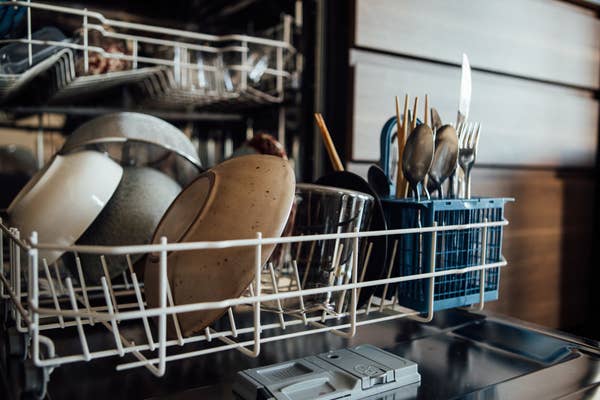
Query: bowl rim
(73,144)
(29,197)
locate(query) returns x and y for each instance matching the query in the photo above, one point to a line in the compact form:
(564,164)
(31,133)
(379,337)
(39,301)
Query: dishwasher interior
(340,269)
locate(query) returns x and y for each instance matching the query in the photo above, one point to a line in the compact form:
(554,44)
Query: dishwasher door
(459,354)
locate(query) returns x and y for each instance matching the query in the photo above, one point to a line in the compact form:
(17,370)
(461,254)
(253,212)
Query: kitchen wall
(536,76)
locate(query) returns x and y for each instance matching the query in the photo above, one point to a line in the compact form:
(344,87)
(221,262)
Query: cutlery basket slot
(455,249)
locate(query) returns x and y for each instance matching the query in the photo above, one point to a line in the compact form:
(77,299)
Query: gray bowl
(137,139)
(129,218)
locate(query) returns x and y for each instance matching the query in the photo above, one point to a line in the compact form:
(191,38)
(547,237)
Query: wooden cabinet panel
(548,244)
(542,39)
(524,122)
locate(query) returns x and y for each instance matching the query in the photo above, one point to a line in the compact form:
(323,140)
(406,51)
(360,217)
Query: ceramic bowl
(129,218)
(261,143)
(138,139)
(62,200)
(234,200)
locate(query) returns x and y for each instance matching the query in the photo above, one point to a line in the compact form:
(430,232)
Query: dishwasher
(349,296)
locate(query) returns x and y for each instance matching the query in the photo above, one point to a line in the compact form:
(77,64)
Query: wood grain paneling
(524,122)
(542,39)
(548,243)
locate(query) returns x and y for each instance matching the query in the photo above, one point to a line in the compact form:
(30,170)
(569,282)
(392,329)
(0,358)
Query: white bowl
(61,201)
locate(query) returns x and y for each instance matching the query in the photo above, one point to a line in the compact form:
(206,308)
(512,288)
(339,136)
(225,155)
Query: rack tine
(126,281)
(61,321)
(129,264)
(86,300)
(140,301)
(175,319)
(61,288)
(80,330)
(234,331)
(12,267)
(300,297)
(343,293)
(276,290)
(299,248)
(113,321)
(368,311)
(108,281)
(389,274)
(208,334)
(309,262)
(365,264)
(393,301)
(335,271)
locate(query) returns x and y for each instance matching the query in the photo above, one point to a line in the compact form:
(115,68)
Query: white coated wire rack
(43,301)
(170,67)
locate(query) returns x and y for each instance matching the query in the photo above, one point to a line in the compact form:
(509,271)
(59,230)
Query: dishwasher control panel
(355,373)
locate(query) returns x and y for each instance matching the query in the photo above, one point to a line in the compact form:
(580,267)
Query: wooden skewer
(399,116)
(404,193)
(401,140)
(333,155)
(414,120)
(405,125)
(426,112)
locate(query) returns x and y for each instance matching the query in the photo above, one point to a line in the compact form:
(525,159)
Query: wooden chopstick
(406,132)
(402,134)
(329,146)
(426,112)
(414,119)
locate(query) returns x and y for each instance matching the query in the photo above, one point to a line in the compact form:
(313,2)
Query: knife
(436,120)
(464,102)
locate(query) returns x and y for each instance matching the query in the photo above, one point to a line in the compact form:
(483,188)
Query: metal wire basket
(447,251)
(44,303)
(181,68)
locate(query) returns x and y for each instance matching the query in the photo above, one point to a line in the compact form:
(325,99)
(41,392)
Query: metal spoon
(417,157)
(444,158)
(379,181)
(436,120)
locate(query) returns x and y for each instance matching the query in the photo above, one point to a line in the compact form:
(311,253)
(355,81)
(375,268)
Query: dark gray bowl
(129,218)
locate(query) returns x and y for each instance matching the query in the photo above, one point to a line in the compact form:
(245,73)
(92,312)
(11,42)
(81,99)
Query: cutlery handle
(451,186)
(385,148)
(385,143)
(468,182)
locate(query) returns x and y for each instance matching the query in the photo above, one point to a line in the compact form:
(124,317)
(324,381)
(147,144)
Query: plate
(234,200)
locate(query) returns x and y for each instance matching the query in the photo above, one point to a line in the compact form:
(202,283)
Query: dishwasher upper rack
(204,69)
(41,308)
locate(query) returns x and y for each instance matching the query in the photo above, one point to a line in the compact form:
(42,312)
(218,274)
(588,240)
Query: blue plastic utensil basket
(455,249)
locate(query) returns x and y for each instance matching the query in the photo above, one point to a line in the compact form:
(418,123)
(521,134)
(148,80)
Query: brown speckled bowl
(234,200)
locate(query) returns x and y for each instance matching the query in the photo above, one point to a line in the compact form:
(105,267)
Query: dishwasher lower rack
(41,302)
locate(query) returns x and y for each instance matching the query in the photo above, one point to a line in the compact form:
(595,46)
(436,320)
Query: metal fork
(468,140)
